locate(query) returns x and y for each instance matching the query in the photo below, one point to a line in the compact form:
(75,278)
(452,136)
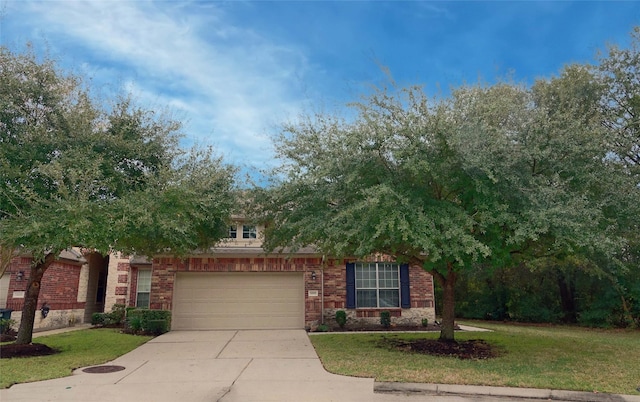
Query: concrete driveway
(209,366)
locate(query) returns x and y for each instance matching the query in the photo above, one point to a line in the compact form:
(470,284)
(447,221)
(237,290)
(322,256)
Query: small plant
(341,318)
(385,318)
(322,328)
(425,322)
(134,323)
(6,325)
(98,318)
(117,314)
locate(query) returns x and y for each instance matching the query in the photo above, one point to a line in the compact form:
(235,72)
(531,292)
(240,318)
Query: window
(144,288)
(378,285)
(233,232)
(249,232)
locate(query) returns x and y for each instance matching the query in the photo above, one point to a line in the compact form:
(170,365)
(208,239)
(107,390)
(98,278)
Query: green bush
(157,327)
(6,325)
(341,318)
(322,328)
(98,318)
(425,322)
(154,322)
(134,323)
(117,314)
(385,319)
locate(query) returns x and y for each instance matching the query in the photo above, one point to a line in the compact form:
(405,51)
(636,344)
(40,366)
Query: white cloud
(230,82)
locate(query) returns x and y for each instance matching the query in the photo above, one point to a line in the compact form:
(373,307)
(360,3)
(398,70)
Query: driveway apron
(225,366)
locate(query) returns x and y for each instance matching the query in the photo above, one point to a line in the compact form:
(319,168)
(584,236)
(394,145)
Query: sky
(234,71)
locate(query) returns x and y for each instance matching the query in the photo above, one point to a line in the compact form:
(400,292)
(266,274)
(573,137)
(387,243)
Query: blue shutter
(405,297)
(351,285)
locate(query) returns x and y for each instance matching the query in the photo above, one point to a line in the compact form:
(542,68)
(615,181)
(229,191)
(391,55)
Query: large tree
(76,173)
(487,175)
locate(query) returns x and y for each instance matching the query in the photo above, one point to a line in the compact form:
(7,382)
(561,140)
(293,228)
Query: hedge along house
(73,288)
(236,285)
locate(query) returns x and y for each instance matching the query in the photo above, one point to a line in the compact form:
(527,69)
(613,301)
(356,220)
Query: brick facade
(60,288)
(329,285)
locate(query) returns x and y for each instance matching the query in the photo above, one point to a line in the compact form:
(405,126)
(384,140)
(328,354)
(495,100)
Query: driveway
(224,366)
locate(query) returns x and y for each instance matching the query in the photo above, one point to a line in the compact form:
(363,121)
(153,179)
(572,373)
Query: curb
(503,392)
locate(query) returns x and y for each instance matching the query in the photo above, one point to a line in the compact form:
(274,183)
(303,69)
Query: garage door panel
(238,301)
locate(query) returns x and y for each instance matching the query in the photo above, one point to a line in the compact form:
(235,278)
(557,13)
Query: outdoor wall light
(313,275)
(19,275)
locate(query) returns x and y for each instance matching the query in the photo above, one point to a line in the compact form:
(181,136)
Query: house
(235,285)
(73,288)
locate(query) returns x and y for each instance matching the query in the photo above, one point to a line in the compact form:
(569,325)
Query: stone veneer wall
(117,281)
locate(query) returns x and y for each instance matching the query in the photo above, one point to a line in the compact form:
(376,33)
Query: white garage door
(251,300)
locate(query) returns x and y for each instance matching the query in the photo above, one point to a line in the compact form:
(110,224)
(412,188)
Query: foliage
(98,319)
(341,318)
(79,348)
(385,318)
(156,327)
(6,325)
(117,314)
(79,173)
(492,175)
(425,322)
(544,357)
(322,328)
(154,322)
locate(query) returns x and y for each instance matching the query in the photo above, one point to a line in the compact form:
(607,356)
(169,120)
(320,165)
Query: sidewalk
(61,330)
(504,393)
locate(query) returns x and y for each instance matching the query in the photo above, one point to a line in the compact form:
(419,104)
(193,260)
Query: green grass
(77,349)
(565,358)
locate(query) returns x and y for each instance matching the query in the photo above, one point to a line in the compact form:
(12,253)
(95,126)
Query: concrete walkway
(246,366)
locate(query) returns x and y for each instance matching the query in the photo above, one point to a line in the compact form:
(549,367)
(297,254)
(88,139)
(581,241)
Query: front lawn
(565,358)
(81,348)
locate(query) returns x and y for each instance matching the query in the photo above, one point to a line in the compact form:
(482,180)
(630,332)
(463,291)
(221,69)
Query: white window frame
(378,280)
(249,232)
(233,232)
(145,289)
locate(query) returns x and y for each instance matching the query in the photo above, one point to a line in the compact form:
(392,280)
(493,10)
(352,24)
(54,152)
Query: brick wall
(335,295)
(164,270)
(329,285)
(59,290)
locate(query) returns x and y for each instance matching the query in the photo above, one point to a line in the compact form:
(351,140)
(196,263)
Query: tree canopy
(492,174)
(76,173)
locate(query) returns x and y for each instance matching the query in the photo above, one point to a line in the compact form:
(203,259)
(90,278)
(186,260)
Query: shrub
(98,318)
(6,325)
(385,319)
(134,323)
(322,328)
(155,322)
(117,314)
(425,322)
(341,318)
(157,327)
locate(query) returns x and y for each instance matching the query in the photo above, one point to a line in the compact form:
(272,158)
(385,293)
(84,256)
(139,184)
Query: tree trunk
(567,299)
(25,332)
(448,282)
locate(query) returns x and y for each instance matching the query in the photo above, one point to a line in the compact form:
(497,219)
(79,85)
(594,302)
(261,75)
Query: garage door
(204,301)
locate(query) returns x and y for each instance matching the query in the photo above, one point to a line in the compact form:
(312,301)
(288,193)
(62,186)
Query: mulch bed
(34,349)
(475,349)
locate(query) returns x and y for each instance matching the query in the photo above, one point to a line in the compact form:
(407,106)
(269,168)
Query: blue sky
(234,70)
